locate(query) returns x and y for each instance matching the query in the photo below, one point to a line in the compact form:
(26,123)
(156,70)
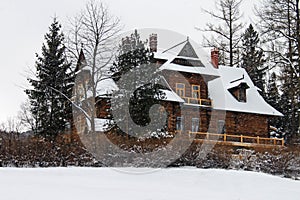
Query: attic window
(188,62)
(242,95)
(239,92)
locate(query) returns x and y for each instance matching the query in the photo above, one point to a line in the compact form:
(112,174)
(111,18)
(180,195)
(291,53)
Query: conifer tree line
(268,49)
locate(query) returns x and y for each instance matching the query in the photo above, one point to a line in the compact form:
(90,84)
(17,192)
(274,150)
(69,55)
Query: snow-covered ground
(143,184)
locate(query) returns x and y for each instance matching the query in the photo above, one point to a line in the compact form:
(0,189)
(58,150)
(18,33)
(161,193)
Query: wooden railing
(202,102)
(242,139)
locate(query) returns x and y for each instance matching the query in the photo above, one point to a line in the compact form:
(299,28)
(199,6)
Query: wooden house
(204,99)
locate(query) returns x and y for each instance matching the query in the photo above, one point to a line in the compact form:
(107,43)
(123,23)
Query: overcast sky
(24,23)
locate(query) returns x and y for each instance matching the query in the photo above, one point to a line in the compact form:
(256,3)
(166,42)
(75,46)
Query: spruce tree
(273,97)
(53,73)
(272,91)
(253,58)
(288,102)
(133,55)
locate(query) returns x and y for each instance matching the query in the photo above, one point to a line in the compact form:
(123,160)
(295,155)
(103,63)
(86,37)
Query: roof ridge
(176,45)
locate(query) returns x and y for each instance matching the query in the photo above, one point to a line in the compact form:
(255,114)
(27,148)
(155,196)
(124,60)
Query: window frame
(179,126)
(196,92)
(197,120)
(179,90)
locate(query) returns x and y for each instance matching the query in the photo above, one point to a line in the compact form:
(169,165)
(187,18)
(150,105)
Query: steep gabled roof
(222,99)
(183,57)
(188,51)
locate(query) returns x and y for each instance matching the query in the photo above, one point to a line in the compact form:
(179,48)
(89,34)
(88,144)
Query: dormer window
(239,92)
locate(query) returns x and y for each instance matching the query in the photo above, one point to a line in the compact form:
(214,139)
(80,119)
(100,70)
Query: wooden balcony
(238,140)
(201,102)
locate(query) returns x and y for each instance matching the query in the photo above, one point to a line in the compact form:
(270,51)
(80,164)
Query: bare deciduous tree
(26,117)
(12,124)
(93,31)
(226,34)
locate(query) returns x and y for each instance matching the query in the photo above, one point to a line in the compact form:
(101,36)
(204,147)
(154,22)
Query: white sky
(24,23)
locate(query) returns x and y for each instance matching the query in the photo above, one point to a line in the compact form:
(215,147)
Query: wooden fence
(242,139)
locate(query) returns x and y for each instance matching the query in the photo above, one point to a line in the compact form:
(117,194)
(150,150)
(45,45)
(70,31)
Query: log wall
(188,79)
(236,123)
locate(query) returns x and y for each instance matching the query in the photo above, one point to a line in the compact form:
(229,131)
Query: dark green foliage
(253,58)
(135,61)
(288,102)
(272,91)
(273,97)
(51,110)
(279,22)
(133,52)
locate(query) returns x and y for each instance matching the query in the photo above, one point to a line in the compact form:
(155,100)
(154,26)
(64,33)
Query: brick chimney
(153,42)
(215,57)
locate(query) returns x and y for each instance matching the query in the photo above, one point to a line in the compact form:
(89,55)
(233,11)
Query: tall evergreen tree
(50,109)
(273,97)
(135,59)
(279,23)
(289,102)
(132,53)
(253,58)
(272,91)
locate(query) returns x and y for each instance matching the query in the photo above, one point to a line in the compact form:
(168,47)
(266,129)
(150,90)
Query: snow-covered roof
(222,99)
(101,125)
(221,80)
(170,95)
(106,87)
(236,84)
(197,70)
(174,52)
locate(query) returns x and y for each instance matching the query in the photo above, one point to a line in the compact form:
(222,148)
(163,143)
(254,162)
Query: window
(221,127)
(196,91)
(242,94)
(195,124)
(179,123)
(180,88)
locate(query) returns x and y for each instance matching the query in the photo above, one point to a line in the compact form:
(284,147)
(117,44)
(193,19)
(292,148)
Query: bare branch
(94,32)
(228,30)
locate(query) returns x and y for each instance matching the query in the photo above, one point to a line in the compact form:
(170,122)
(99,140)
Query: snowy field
(143,184)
